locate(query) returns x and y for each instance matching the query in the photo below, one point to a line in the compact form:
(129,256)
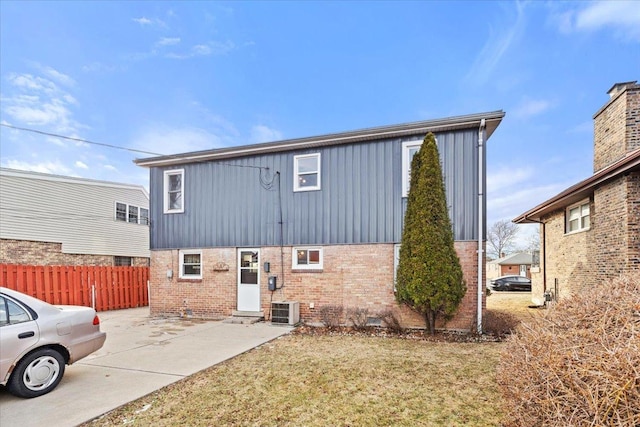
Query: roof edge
(492,120)
(69,179)
(627,163)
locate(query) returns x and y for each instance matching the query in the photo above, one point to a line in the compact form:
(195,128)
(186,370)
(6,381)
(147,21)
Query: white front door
(248,279)
(523,270)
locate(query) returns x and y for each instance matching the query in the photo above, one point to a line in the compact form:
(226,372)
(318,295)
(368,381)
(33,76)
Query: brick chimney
(617,125)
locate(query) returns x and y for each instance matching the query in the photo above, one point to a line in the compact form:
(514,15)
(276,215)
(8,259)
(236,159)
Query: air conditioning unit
(285,312)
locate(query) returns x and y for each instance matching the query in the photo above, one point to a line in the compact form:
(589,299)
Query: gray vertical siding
(360,200)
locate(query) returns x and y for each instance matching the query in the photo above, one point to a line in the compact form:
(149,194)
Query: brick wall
(633,222)
(48,253)
(353,276)
(616,128)
(608,249)
(566,259)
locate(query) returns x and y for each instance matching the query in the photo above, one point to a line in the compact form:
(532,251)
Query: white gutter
(481,201)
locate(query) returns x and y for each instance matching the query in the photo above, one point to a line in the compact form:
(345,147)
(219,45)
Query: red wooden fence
(113,288)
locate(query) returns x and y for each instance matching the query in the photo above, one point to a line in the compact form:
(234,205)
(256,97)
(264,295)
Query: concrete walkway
(141,355)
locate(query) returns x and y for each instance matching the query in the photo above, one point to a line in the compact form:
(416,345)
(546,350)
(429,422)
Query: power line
(79,140)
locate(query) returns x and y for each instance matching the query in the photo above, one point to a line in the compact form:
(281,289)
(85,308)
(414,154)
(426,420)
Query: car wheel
(37,373)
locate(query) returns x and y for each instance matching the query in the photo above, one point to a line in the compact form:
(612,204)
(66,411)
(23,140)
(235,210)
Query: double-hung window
(133,214)
(578,217)
(409,149)
(306,172)
(121,211)
(191,264)
(144,216)
(307,258)
(174,191)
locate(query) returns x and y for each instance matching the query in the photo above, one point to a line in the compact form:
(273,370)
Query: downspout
(481,219)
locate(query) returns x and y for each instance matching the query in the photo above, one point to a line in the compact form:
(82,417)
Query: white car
(38,339)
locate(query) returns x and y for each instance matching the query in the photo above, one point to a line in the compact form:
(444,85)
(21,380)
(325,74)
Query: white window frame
(294,258)
(126,212)
(181,255)
(130,215)
(406,164)
(296,173)
(165,189)
(143,220)
(580,205)
(126,218)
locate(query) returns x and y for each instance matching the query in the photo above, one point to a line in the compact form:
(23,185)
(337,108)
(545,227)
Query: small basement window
(190,264)
(307,258)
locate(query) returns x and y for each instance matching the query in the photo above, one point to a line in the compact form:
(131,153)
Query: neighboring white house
(58,220)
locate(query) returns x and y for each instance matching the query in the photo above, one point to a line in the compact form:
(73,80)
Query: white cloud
(204,49)
(110,168)
(34,100)
(516,200)
(166,140)
(496,47)
(81,165)
(54,167)
(58,76)
(142,21)
(531,107)
(168,41)
(622,17)
(261,133)
(201,50)
(31,83)
(506,177)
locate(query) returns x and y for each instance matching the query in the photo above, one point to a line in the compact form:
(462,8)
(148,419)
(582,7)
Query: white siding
(78,213)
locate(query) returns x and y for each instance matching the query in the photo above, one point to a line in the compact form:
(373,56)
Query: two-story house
(49,219)
(319,217)
(590,232)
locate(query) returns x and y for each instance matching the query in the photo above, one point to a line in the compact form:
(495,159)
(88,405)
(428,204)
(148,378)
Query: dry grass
(579,364)
(302,380)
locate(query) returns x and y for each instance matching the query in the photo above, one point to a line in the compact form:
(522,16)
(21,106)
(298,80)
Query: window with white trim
(121,211)
(307,258)
(174,191)
(409,149)
(133,214)
(306,172)
(144,216)
(578,217)
(191,264)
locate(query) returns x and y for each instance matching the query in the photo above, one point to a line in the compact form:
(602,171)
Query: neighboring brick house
(518,264)
(323,215)
(591,231)
(58,220)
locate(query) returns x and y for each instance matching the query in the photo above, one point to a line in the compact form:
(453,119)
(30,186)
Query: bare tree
(533,244)
(500,237)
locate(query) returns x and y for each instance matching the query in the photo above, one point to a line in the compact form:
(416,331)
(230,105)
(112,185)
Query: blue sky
(171,77)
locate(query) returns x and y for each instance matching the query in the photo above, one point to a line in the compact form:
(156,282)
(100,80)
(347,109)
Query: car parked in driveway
(511,283)
(38,339)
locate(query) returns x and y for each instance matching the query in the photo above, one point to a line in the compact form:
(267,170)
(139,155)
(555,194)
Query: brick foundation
(48,253)
(353,276)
